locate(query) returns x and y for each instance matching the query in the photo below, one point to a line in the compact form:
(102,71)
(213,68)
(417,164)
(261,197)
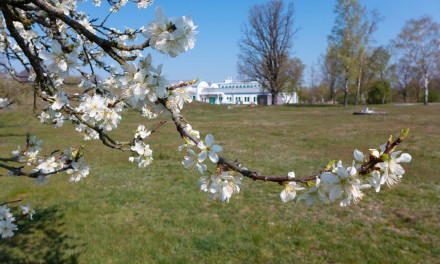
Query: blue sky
(219,25)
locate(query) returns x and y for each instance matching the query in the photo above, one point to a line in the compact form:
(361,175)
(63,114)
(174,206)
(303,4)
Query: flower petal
(335,192)
(216,148)
(202,156)
(405,157)
(213,156)
(209,139)
(358,155)
(329,177)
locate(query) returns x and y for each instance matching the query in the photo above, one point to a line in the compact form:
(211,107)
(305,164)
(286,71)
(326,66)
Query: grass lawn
(123,214)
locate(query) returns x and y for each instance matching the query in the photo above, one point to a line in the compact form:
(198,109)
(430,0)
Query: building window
(237,99)
(246,99)
(255,99)
(194,97)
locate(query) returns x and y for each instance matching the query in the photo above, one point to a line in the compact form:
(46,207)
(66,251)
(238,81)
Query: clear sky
(219,25)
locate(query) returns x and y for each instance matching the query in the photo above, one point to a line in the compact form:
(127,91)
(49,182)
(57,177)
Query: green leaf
(404,133)
(330,164)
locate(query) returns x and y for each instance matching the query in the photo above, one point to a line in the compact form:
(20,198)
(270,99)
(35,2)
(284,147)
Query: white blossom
(7,228)
(145,154)
(5,213)
(59,62)
(209,149)
(392,170)
(142,132)
(315,195)
(341,181)
(60,99)
(170,35)
(144,3)
(221,186)
(192,162)
(79,170)
(375,180)
(28,210)
(290,188)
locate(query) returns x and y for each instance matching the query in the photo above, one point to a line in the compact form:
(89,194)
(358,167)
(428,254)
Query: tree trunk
(425,84)
(358,89)
(356,98)
(274,98)
(346,93)
(332,95)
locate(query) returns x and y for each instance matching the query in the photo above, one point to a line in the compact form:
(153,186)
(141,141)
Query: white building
(234,92)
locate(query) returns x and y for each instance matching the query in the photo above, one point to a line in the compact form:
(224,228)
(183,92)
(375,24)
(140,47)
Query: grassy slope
(122,214)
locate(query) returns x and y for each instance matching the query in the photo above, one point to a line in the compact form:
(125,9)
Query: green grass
(123,214)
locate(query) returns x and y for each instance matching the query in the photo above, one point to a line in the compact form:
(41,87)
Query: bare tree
(419,42)
(265,45)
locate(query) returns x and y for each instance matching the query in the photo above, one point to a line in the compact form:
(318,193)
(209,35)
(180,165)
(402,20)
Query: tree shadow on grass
(40,241)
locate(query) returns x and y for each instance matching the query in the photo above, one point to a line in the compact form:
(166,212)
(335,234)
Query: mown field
(123,214)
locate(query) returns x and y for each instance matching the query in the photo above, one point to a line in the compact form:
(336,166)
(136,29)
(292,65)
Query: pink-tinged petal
(329,177)
(216,148)
(335,192)
(202,156)
(213,156)
(209,139)
(405,157)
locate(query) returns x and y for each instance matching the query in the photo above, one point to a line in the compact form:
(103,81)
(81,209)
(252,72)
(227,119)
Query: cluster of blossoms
(145,154)
(70,160)
(335,183)
(220,184)
(101,111)
(347,183)
(7,219)
(58,61)
(171,36)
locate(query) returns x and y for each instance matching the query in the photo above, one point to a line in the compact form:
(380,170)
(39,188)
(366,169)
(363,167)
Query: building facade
(235,92)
